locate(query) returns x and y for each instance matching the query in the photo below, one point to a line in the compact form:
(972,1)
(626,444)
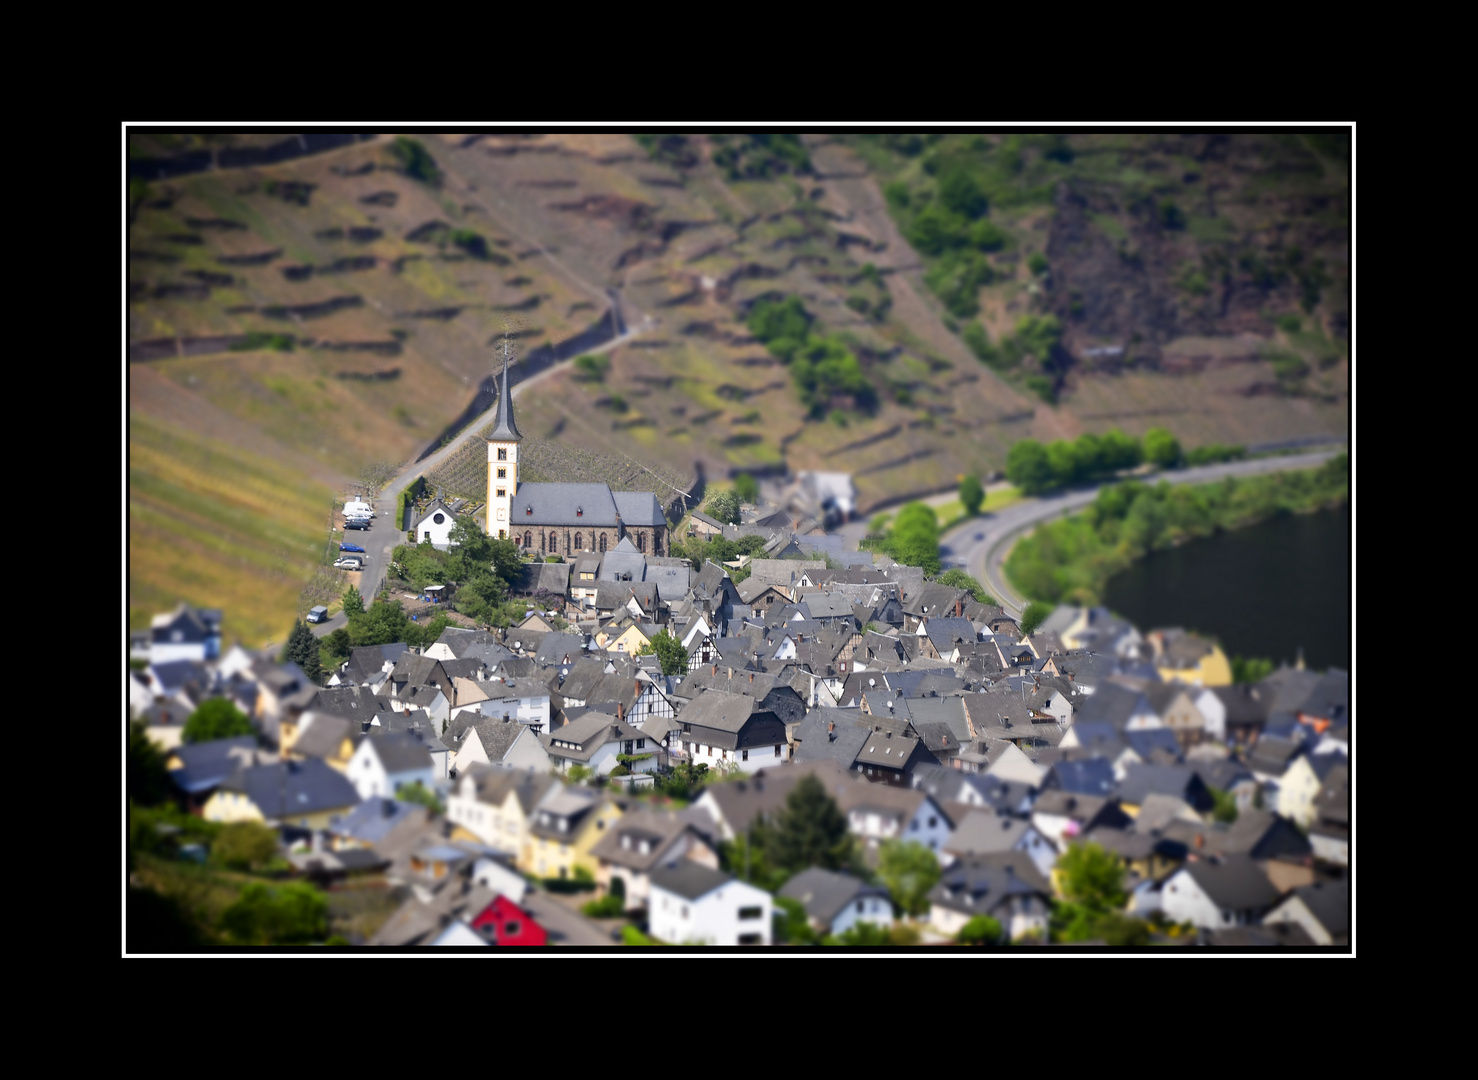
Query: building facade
(562,519)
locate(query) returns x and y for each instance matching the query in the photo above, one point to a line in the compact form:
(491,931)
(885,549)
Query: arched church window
(602,541)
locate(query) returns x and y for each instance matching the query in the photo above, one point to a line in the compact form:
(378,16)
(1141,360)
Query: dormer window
(579,511)
(528,510)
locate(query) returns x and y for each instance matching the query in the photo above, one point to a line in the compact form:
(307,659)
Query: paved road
(981,545)
(383,537)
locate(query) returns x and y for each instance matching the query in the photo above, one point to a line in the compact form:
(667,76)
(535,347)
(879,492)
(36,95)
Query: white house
(690,903)
(185,634)
(434,526)
(383,764)
(1233,891)
(595,741)
(498,876)
(835,903)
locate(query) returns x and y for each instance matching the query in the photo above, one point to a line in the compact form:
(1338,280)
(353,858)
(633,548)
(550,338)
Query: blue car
(351,547)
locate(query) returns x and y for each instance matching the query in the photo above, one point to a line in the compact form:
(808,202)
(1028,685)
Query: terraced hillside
(303,315)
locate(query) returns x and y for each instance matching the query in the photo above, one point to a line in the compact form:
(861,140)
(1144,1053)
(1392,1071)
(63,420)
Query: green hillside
(338,308)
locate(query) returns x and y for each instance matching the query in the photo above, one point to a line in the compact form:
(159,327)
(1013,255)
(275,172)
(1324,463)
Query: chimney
(959,606)
(715,671)
(1200,840)
(620,713)
(731,674)
(751,676)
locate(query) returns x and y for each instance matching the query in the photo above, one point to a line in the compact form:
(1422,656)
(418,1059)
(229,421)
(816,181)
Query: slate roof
(574,505)
(371,821)
(293,788)
(1234,882)
(659,830)
(1140,781)
(325,735)
(1095,776)
(506,430)
(399,752)
(841,745)
(690,880)
(979,885)
(826,894)
(208,764)
(589,733)
(983,832)
(1329,902)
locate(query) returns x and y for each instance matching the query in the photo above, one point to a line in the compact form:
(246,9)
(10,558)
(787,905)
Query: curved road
(382,537)
(982,544)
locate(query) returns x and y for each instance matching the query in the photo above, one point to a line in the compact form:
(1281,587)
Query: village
(804,744)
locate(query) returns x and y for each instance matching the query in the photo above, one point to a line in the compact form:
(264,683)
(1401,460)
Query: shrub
(1034,615)
(244,845)
(416,160)
(981,930)
(607,907)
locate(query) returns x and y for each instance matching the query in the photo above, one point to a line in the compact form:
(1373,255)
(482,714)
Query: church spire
(506,429)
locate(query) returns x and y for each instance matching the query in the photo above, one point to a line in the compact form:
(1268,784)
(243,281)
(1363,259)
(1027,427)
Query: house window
(746,755)
(502,474)
(426,535)
(502,454)
(751,913)
(777,751)
(512,927)
(641,744)
(859,907)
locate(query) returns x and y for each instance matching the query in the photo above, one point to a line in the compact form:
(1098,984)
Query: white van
(318,614)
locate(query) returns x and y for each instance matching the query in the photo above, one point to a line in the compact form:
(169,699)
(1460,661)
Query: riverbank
(1072,560)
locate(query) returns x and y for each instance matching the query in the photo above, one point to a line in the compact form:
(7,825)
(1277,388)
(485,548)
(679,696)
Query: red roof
(511,924)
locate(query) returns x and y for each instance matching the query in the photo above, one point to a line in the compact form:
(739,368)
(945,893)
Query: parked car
(351,547)
(357,523)
(318,614)
(349,562)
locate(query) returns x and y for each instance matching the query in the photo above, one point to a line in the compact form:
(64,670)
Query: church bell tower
(503,464)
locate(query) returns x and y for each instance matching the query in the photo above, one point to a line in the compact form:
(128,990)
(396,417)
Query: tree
(670,652)
(971,494)
(981,930)
(958,579)
(216,718)
(1250,669)
(1092,877)
(747,488)
(244,845)
(1034,616)
(810,830)
(862,933)
(915,537)
(724,505)
(1028,467)
(302,649)
(294,914)
(147,778)
(416,160)
(909,870)
(1162,448)
(353,602)
(795,924)
(418,793)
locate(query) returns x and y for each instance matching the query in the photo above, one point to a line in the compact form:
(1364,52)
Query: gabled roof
(690,880)
(825,894)
(985,832)
(980,884)
(1328,902)
(1234,882)
(325,735)
(622,842)
(371,821)
(293,788)
(436,507)
(206,765)
(572,505)
(399,752)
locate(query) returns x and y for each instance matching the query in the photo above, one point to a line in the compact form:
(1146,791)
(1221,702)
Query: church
(562,519)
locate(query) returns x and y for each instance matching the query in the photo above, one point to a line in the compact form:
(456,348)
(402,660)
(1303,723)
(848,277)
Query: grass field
(217,526)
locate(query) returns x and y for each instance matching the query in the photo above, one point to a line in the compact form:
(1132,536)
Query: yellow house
(328,738)
(565,827)
(630,641)
(1184,657)
(307,794)
(493,806)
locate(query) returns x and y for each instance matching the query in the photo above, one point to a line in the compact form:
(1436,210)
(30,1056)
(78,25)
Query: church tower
(502,464)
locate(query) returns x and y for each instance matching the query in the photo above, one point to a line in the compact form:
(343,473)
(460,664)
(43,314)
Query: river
(1268,590)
